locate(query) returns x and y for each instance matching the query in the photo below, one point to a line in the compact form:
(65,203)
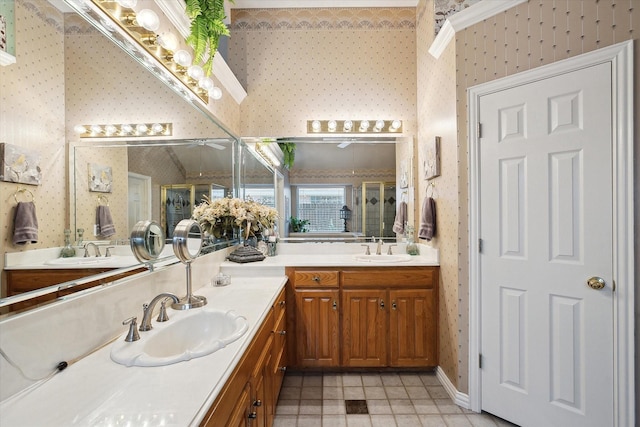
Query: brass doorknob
(596,283)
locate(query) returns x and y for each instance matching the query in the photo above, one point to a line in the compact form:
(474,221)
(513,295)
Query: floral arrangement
(218,217)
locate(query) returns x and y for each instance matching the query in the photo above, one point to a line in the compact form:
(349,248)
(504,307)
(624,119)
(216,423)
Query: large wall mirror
(102,84)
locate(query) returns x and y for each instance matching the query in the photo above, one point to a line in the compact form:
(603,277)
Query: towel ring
(23,190)
(431,186)
(104,200)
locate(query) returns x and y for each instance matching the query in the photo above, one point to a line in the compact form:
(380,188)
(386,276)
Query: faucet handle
(389,251)
(108,253)
(368,251)
(133,334)
(98,254)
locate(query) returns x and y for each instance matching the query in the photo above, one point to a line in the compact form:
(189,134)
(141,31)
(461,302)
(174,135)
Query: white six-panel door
(546,228)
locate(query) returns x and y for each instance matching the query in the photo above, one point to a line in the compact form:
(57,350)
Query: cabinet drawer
(315,279)
(426,277)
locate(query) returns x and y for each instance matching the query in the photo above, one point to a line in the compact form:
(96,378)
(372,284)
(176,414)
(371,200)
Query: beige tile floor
(402,400)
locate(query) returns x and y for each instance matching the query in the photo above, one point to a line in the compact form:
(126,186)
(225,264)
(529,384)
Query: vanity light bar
(127,20)
(124,130)
(354,126)
(267,153)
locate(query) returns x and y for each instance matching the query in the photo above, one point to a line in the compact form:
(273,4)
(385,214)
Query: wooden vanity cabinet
(24,280)
(364,328)
(316,318)
(397,327)
(249,397)
(364,317)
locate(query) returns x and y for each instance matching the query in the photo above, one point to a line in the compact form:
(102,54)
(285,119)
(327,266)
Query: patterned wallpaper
(298,64)
(437,112)
(32,108)
(524,37)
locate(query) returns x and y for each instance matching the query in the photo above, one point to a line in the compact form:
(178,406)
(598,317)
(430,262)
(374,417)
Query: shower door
(378,208)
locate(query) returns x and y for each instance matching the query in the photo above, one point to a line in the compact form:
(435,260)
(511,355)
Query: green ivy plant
(289,151)
(298,225)
(207,26)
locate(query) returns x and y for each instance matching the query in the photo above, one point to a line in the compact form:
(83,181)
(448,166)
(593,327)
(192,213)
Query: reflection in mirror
(158,180)
(330,173)
(84,78)
(147,240)
(256,176)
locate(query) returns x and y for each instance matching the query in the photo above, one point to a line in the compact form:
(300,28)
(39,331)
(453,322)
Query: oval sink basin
(383,259)
(185,338)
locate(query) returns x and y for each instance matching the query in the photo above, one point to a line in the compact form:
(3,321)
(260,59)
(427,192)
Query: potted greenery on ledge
(298,225)
(207,26)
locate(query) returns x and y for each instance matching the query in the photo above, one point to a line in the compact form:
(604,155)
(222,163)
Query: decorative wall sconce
(354,126)
(124,130)
(163,50)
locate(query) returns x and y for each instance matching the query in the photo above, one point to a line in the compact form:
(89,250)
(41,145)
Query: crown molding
(467,17)
(305,4)
(175,11)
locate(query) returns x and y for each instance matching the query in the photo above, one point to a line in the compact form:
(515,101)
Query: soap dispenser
(412,246)
(67,251)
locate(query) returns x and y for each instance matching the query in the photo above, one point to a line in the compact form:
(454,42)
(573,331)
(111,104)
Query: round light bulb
(148,19)
(206,83)
(80,129)
(127,3)
(141,128)
(110,129)
(332,125)
(126,129)
(395,125)
(379,125)
(182,57)
(157,128)
(96,129)
(348,125)
(195,72)
(364,125)
(168,41)
(315,125)
(215,93)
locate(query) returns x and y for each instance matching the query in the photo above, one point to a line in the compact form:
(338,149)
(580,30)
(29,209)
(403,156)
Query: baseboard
(460,399)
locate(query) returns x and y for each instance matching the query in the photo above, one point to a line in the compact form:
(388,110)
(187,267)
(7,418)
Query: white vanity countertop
(99,392)
(327,255)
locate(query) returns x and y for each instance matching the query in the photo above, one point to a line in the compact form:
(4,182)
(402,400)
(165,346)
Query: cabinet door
(413,328)
(241,414)
(364,328)
(316,323)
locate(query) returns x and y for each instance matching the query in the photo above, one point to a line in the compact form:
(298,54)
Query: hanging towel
(401,218)
(104,221)
(25,224)
(428,219)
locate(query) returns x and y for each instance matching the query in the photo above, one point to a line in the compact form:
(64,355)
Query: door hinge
(480,360)
(480,245)
(479,130)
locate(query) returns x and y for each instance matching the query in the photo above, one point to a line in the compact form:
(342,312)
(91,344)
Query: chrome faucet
(95,248)
(145,324)
(379,247)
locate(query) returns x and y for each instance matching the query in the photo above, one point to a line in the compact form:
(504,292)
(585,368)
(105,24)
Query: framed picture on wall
(100,178)
(18,164)
(431,160)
